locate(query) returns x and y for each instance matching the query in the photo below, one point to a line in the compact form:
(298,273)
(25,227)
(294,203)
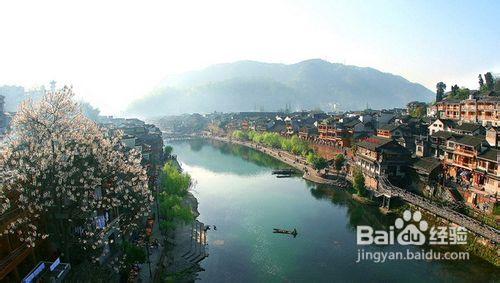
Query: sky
(113,52)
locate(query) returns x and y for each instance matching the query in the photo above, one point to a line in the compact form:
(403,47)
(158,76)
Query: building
(335,133)
(378,156)
(469,129)
(441,125)
(493,137)
(486,174)
(392,131)
(308,132)
(448,109)
(484,109)
(461,155)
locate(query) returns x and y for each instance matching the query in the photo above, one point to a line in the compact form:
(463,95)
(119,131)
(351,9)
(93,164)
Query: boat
(283,171)
(283,231)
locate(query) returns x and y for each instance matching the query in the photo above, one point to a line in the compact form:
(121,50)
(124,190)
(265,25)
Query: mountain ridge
(252,85)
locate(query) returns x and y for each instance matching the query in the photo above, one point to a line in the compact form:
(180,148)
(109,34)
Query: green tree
(497,86)
(168,150)
(240,135)
(481,82)
(359,182)
(175,185)
(440,88)
(339,161)
(490,81)
(418,112)
(316,161)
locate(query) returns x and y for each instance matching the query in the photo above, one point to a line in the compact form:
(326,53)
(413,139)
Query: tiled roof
(374,142)
(388,127)
(471,141)
(468,127)
(443,134)
(490,154)
(427,164)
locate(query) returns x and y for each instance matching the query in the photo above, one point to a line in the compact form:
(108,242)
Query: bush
(359,182)
(240,135)
(339,161)
(316,161)
(167,150)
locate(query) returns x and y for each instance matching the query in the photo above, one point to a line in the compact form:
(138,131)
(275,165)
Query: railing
(12,259)
(475,226)
(464,151)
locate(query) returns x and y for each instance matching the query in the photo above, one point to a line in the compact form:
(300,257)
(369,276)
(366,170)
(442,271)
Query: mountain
(254,86)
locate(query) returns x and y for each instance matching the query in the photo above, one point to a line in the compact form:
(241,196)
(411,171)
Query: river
(238,194)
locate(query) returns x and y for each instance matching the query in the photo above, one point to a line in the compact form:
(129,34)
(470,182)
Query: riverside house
(332,132)
(378,156)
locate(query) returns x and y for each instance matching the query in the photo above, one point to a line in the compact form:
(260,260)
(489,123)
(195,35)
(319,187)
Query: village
(447,151)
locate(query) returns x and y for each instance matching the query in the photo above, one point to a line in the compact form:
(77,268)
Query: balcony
(466,152)
(466,165)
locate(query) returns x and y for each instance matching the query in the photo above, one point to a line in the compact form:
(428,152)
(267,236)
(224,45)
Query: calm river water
(237,193)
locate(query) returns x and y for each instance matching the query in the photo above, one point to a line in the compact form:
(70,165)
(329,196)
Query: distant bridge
(386,189)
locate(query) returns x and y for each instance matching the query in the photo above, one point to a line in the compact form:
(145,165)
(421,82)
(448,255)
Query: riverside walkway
(473,225)
(297,162)
(385,188)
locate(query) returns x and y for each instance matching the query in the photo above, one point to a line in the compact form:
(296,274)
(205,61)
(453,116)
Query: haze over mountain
(257,86)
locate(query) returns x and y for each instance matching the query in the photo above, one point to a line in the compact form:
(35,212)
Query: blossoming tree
(63,171)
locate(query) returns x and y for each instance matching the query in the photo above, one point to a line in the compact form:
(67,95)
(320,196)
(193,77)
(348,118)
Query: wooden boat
(284,176)
(283,231)
(283,171)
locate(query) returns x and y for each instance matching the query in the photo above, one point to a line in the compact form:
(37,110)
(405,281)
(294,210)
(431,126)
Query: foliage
(167,150)
(133,253)
(460,93)
(317,162)
(294,144)
(58,162)
(481,81)
(339,161)
(418,112)
(240,135)
(496,209)
(173,181)
(359,182)
(174,188)
(440,88)
(490,81)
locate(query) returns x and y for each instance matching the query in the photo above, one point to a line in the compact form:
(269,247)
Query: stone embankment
(297,162)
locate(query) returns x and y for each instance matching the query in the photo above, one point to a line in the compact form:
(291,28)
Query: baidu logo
(409,230)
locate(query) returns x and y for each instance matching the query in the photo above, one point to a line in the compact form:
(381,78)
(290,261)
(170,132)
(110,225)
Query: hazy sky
(115,51)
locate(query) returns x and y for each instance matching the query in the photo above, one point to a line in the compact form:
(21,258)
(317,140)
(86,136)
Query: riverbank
(186,246)
(481,248)
(297,162)
(237,192)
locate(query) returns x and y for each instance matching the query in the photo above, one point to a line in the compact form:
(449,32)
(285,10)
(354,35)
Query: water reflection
(237,192)
(222,157)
